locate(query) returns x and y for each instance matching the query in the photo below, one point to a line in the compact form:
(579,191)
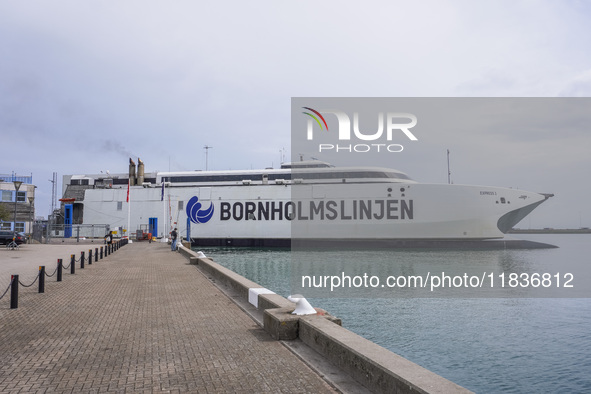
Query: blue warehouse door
(153,226)
(68,214)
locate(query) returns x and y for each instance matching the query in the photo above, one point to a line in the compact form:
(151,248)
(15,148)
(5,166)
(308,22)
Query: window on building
(119,205)
(20,227)
(180,205)
(5,226)
(6,195)
(21,196)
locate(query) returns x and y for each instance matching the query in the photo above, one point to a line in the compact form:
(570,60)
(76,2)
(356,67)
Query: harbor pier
(148,320)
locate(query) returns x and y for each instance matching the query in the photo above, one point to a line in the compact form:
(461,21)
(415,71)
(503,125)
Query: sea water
(486,344)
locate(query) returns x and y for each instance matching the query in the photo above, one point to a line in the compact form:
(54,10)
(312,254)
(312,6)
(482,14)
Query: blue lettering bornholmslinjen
(318,210)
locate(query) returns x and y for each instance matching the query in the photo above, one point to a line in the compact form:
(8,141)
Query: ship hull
(275,214)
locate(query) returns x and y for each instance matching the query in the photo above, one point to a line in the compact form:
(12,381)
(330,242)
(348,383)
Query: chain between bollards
(14,280)
(6,291)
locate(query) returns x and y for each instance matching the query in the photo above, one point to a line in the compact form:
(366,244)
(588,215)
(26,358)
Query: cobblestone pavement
(140,320)
(26,260)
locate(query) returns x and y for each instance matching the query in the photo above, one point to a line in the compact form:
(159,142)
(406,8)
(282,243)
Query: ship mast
(448,170)
(207,148)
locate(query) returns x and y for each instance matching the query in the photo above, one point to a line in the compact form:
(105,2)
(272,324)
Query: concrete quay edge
(374,367)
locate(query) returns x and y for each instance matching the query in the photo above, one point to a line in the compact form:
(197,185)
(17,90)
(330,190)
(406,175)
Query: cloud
(578,86)
(164,80)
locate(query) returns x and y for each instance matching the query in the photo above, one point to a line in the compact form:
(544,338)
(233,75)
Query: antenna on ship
(207,148)
(448,170)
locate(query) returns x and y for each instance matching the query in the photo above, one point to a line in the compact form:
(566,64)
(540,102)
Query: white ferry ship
(308,200)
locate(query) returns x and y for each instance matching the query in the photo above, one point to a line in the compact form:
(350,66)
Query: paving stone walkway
(141,320)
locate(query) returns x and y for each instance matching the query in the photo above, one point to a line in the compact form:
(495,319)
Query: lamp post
(31,218)
(17,185)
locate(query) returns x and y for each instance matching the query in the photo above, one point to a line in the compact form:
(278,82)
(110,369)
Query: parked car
(6,237)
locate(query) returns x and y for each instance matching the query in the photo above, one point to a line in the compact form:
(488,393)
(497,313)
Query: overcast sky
(86,85)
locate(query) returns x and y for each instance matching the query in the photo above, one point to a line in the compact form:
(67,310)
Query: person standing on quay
(173,236)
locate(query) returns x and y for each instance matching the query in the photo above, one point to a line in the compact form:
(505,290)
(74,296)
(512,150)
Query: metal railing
(18,178)
(76,231)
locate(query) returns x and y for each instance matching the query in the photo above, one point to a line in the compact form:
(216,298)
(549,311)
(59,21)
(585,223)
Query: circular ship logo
(196,214)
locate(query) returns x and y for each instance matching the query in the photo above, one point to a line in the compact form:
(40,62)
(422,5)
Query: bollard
(82,260)
(89,256)
(72,264)
(42,279)
(101,252)
(59,270)
(14,292)
(95,255)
